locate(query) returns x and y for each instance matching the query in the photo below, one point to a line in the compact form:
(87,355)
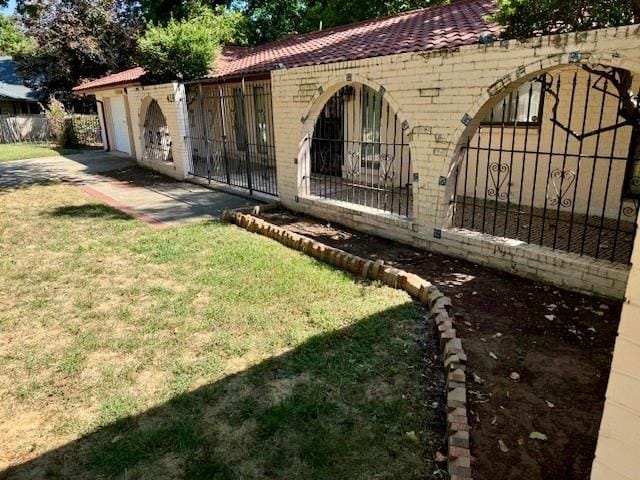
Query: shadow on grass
(339,406)
(90,210)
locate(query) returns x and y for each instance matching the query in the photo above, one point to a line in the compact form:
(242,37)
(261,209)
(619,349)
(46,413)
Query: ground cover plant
(200,351)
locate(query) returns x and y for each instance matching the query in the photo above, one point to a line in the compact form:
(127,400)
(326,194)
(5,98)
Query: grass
(23,151)
(199,352)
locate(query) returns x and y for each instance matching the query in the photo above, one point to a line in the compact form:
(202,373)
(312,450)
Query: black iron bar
(608,182)
(513,144)
(593,169)
(546,187)
(564,158)
(585,111)
(523,170)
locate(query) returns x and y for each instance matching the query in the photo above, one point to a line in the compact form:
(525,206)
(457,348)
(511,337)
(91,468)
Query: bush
(56,115)
(186,49)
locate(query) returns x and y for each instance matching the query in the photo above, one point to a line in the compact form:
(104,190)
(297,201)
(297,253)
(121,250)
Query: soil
(538,356)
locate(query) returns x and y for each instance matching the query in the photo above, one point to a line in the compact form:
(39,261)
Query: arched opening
(155,135)
(555,162)
(359,153)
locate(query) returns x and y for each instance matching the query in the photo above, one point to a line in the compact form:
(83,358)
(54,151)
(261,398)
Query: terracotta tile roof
(133,75)
(454,25)
(447,26)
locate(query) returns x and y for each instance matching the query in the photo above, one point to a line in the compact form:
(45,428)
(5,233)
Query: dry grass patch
(201,351)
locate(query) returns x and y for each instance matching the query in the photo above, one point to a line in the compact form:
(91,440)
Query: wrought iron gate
(157,140)
(556,163)
(359,153)
(231,137)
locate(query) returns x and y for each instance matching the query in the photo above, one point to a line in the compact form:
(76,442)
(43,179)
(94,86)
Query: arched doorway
(359,153)
(555,162)
(155,135)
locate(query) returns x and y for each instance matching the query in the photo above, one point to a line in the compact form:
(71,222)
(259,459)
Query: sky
(9,9)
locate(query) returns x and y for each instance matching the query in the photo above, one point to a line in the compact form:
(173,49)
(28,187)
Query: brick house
(422,128)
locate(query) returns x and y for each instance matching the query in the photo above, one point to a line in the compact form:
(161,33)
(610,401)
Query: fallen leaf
(439,457)
(549,404)
(538,436)
(412,436)
(477,378)
(515,376)
(493,355)
(503,446)
(551,318)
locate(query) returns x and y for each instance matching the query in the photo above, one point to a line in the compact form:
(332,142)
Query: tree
(186,49)
(12,40)
(159,12)
(272,19)
(526,18)
(75,40)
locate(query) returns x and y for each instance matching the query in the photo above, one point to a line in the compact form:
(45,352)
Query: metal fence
(155,134)
(359,153)
(555,163)
(84,131)
(231,136)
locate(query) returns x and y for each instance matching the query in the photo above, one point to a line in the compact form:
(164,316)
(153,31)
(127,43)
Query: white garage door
(120,126)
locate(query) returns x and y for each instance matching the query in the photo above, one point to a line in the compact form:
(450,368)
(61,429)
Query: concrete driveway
(115,180)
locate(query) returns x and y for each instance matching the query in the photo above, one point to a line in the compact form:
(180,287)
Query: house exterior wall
(619,440)
(170,98)
(434,92)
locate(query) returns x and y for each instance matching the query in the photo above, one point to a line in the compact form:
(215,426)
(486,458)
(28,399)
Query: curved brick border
(454,357)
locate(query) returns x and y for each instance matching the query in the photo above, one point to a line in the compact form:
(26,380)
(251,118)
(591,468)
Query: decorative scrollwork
(353,164)
(561,181)
(496,169)
(631,210)
(386,170)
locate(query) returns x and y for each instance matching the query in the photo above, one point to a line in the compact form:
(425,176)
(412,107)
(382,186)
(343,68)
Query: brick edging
(453,354)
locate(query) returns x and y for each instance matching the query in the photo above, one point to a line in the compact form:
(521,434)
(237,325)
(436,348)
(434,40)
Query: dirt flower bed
(538,357)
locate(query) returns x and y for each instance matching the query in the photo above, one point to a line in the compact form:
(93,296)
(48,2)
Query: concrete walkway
(112,179)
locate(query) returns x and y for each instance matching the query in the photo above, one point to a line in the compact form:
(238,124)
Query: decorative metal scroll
(561,182)
(496,170)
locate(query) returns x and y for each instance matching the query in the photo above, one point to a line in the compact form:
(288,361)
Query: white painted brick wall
(452,84)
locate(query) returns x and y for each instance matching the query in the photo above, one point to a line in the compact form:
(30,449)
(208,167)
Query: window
(521,107)
(240,124)
(261,118)
(371,116)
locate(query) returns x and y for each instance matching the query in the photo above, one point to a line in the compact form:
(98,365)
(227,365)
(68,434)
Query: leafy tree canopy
(159,12)
(75,40)
(12,39)
(186,49)
(526,18)
(269,20)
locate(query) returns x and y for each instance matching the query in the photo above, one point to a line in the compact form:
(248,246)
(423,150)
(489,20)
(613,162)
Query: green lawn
(199,352)
(22,151)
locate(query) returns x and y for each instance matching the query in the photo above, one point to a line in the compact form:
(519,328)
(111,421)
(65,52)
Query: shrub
(186,49)
(56,116)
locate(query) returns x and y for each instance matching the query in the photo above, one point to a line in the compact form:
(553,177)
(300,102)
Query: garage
(120,126)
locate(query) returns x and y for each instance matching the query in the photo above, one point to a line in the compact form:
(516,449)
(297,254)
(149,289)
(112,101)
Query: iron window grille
(359,153)
(568,187)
